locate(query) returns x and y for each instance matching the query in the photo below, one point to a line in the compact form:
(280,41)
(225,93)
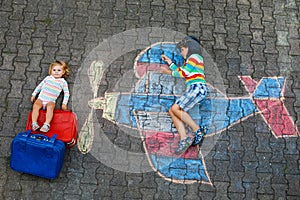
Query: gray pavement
(243,37)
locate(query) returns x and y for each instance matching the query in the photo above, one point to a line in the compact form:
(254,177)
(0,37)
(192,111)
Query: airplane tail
(268,96)
(266,88)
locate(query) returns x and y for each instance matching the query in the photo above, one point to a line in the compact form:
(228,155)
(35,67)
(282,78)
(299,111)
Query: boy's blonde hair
(64,65)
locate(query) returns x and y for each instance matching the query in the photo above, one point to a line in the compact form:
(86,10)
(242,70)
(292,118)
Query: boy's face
(57,71)
(184,51)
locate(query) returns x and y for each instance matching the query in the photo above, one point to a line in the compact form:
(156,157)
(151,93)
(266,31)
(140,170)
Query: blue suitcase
(37,154)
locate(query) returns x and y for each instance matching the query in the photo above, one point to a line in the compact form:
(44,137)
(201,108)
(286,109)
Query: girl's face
(57,71)
(184,51)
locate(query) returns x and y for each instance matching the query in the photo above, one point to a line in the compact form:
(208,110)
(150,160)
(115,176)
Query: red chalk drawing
(271,104)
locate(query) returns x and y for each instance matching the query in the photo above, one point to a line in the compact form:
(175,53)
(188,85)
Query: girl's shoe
(45,128)
(184,144)
(35,126)
(199,135)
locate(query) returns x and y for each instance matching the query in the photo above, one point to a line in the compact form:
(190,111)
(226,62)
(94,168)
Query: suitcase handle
(40,137)
(44,137)
(49,144)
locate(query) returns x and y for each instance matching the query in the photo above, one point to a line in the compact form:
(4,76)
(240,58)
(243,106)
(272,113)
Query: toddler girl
(49,90)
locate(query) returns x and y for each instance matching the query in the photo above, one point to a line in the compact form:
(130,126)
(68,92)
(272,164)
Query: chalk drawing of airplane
(146,107)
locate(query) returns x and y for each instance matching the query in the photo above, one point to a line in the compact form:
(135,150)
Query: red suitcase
(64,124)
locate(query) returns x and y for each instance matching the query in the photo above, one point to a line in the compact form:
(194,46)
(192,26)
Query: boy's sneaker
(184,145)
(199,135)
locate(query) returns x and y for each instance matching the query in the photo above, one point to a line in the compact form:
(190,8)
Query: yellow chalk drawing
(109,109)
(86,135)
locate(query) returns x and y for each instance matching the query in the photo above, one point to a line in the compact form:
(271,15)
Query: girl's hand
(64,107)
(167,59)
(32,99)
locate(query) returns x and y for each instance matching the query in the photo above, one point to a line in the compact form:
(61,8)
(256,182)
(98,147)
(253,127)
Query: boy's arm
(176,71)
(173,70)
(194,64)
(165,71)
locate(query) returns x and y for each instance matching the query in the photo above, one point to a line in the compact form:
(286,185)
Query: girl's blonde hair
(64,65)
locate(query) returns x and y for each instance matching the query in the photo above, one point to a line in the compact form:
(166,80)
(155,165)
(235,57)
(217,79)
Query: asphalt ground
(250,38)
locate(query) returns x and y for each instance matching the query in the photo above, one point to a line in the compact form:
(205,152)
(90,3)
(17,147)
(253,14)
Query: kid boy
(193,73)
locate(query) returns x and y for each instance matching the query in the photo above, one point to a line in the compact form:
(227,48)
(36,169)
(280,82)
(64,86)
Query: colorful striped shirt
(192,70)
(50,88)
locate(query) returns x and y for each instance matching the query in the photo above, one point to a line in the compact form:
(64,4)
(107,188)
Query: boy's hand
(165,70)
(167,59)
(64,107)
